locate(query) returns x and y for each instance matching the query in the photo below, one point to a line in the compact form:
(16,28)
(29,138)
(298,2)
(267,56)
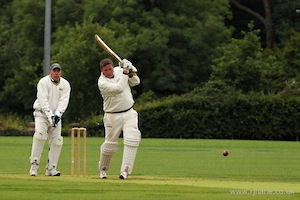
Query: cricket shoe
(33,169)
(102,174)
(123,175)
(52,171)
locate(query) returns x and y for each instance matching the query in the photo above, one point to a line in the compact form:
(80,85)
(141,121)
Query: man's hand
(133,69)
(125,63)
(57,117)
(128,68)
(50,116)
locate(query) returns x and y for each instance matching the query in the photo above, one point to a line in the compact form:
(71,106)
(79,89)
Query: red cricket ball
(225,153)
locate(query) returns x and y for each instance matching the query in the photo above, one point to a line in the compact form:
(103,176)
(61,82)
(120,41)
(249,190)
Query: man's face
(108,71)
(55,74)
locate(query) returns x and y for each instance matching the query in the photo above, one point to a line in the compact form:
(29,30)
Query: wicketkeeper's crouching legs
(132,138)
(38,143)
(53,156)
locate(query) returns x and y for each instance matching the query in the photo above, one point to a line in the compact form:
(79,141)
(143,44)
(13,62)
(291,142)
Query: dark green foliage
(239,89)
(172,44)
(246,66)
(81,71)
(290,19)
(21,43)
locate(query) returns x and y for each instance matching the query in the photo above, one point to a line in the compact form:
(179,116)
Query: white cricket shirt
(116,91)
(52,96)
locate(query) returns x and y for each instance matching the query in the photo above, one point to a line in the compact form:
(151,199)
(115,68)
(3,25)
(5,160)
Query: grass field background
(164,169)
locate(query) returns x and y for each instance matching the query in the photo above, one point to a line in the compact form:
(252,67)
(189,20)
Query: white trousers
(44,131)
(115,124)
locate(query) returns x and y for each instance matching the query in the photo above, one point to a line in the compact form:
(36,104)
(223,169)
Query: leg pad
(132,140)
(107,151)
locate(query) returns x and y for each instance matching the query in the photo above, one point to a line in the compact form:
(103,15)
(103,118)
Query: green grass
(174,169)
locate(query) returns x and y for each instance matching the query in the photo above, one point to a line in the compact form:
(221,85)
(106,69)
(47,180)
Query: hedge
(260,117)
(227,116)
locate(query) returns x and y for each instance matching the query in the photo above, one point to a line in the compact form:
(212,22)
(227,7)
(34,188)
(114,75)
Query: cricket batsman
(115,85)
(53,94)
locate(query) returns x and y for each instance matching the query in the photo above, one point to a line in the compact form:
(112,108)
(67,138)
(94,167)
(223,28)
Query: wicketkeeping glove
(50,116)
(57,117)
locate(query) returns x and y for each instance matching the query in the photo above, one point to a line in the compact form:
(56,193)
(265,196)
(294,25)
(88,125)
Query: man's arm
(110,89)
(131,71)
(134,80)
(42,94)
(63,101)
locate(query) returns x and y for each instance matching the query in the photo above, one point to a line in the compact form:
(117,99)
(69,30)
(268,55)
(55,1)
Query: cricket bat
(107,49)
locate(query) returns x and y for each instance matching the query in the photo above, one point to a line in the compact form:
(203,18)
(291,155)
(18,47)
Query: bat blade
(107,49)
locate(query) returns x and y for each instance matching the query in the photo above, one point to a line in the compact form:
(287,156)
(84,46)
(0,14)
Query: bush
(217,112)
(94,125)
(12,124)
(252,116)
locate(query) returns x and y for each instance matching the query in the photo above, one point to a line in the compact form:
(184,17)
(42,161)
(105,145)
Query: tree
(290,55)
(274,18)
(286,19)
(23,47)
(6,55)
(175,41)
(266,20)
(79,54)
(246,66)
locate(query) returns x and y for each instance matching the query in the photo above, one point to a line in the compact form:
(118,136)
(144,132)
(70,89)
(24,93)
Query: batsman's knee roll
(132,137)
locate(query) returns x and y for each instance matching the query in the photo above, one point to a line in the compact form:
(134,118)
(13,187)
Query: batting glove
(126,64)
(128,68)
(134,69)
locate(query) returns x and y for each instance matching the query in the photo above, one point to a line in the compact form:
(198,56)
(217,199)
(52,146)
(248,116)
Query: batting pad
(107,150)
(132,140)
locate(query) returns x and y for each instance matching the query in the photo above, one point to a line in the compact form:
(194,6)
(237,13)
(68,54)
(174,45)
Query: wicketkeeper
(119,116)
(53,94)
